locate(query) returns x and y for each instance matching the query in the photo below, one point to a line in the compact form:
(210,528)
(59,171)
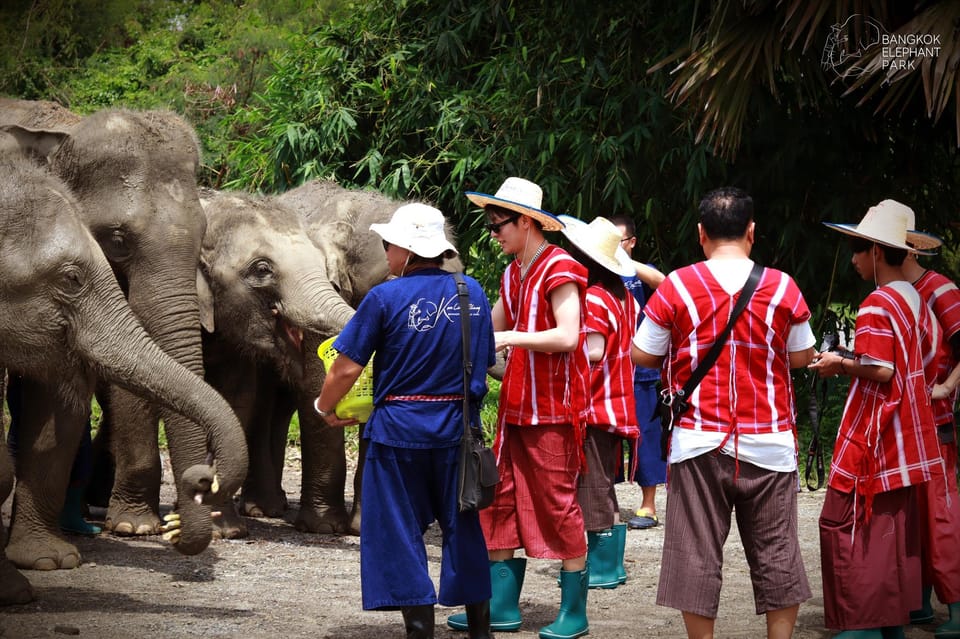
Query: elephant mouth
(292,334)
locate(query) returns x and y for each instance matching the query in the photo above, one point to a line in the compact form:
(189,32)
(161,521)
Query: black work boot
(478,620)
(418,620)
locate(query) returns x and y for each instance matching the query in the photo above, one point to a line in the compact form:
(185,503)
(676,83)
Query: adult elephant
(282,276)
(64,323)
(134,177)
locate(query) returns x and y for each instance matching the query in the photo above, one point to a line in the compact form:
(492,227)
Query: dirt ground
(280,582)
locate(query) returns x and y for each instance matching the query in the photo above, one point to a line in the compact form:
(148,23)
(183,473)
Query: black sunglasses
(494,227)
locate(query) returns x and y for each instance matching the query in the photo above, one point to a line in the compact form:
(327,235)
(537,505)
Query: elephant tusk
(198,498)
(215,486)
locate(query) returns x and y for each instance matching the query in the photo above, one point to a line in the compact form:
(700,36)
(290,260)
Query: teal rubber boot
(893,632)
(506,581)
(873,633)
(620,530)
(951,629)
(602,551)
(571,622)
(925,613)
(71,516)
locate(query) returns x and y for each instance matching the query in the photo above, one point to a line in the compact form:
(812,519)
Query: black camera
(831,343)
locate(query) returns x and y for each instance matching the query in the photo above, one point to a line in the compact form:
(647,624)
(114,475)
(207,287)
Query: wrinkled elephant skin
(133,174)
(64,323)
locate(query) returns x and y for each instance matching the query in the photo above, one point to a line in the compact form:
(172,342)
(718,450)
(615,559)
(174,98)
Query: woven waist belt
(424,398)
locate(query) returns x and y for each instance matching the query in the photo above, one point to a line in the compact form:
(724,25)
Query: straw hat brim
(575,230)
(925,242)
(548,220)
(851,229)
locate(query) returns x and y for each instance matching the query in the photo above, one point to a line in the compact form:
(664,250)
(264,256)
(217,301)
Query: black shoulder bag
(478,475)
(673,405)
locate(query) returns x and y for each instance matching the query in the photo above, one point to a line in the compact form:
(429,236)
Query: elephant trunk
(316,306)
(112,339)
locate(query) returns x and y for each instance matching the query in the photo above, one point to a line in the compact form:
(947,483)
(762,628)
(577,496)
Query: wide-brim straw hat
(889,223)
(522,196)
(417,228)
(600,240)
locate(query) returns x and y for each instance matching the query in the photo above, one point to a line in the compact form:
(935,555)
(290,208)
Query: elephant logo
(848,42)
(424,314)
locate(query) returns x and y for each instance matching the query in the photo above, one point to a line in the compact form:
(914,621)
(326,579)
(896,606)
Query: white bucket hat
(600,240)
(417,228)
(887,223)
(522,196)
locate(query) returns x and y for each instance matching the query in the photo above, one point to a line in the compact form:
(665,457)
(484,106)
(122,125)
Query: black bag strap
(745,294)
(464,296)
(814,474)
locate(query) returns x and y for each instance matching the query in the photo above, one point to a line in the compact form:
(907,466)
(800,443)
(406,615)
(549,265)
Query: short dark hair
(625,222)
(726,213)
(891,255)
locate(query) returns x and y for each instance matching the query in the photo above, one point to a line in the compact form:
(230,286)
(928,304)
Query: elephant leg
(322,507)
(51,423)
(134,507)
(358,482)
(263,494)
(14,587)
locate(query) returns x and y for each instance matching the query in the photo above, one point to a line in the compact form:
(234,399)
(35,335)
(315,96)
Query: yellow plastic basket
(358,402)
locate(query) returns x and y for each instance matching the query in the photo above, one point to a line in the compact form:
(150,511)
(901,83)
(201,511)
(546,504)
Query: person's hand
(940,391)
(826,364)
(503,339)
(338,422)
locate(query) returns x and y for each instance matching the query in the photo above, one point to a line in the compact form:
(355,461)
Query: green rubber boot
(602,551)
(951,629)
(925,613)
(506,581)
(71,516)
(571,621)
(621,532)
(873,633)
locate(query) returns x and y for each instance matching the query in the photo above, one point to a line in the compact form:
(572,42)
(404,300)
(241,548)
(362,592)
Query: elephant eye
(260,271)
(115,245)
(72,279)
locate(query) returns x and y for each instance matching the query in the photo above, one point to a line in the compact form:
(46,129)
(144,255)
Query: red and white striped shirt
(748,390)
(943,299)
(540,387)
(613,405)
(886,440)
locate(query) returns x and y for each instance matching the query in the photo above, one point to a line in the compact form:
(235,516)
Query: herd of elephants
(120,278)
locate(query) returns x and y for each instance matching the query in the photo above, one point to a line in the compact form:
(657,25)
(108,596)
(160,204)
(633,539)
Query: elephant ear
(334,241)
(205,298)
(36,143)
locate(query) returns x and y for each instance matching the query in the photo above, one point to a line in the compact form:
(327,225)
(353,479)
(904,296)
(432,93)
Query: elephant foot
(14,587)
(254,505)
(229,524)
(128,522)
(355,520)
(324,520)
(42,551)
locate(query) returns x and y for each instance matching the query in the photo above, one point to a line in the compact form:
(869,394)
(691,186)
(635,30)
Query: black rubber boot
(478,620)
(418,620)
